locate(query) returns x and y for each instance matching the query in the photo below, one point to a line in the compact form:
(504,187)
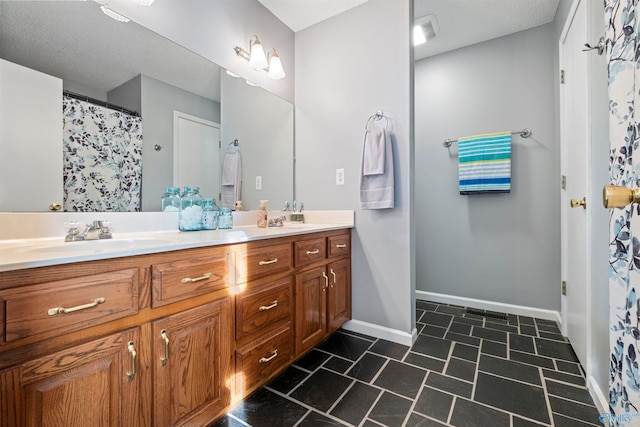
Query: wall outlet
(340,176)
(259,182)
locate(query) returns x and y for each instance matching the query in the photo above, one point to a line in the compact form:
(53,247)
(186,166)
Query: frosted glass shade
(276,71)
(257,59)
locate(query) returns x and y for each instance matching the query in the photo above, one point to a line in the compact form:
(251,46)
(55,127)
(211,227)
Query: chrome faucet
(277,222)
(94,231)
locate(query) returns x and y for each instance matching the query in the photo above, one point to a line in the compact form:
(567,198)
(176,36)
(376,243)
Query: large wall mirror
(180,97)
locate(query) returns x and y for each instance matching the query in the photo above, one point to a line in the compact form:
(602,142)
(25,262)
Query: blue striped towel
(484,163)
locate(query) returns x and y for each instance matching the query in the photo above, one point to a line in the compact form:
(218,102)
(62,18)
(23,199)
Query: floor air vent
(485,314)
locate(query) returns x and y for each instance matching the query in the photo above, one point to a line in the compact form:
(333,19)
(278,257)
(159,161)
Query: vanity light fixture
(259,61)
(112,14)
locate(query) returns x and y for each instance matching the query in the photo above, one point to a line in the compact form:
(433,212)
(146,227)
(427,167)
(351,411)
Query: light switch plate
(259,182)
(340,176)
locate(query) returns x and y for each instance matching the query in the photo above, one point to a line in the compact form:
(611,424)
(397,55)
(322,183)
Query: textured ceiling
(300,14)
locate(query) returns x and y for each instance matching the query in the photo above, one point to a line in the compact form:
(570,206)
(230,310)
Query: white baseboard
(519,310)
(381,332)
(598,397)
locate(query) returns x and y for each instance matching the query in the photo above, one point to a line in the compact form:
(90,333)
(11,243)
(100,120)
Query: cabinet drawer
(256,364)
(263,307)
(186,278)
(339,245)
(54,308)
(308,251)
(257,262)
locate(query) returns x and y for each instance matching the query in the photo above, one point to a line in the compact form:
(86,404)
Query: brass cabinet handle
(132,350)
(271,261)
(313,252)
(269,307)
(334,277)
(165,359)
(197,279)
(274,354)
(577,203)
(55,206)
(326,282)
(62,310)
(341,245)
(614,196)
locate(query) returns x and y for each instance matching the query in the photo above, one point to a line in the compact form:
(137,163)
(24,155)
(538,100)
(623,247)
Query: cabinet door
(339,295)
(92,384)
(311,308)
(192,362)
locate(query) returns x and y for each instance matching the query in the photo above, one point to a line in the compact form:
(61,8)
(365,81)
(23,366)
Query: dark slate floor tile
(389,349)
(489,334)
(494,348)
(501,326)
(461,369)
(426,305)
(312,360)
(522,399)
(314,419)
(466,352)
(568,367)
(510,369)
(460,328)
(434,404)
(417,420)
(419,314)
(227,421)
(431,346)
(390,410)
(345,345)
(543,362)
(528,330)
(463,338)
(548,327)
(520,422)
(437,319)
(355,404)
(565,391)
(367,367)
(267,409)
(561,421)
(470,414)
(521,343)
(331,384)
(586,413)
(338,364)
(426,362)
(524,320)
(434,331)
(470,321)
(550,336)
(448,384)
(358,335)
(401,378)
(450,309)
(286,381)
(561,376)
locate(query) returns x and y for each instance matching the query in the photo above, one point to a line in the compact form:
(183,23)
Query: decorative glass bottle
(171,200)
(209,214)
(190,210)
(225,220)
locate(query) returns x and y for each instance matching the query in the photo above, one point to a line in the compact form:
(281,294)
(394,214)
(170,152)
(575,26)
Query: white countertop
(31,252)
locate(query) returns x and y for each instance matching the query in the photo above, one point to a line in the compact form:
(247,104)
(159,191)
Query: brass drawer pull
(334,278)
(62,310)
(132,350)
(313,252)
(197,279)
(326,282)
(270,358)
(271,261)
(165,359)
(341,245)
(269,307)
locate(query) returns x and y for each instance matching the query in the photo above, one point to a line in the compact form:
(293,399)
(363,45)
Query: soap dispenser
(262,214)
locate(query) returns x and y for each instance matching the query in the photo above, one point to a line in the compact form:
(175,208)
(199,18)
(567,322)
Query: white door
(575,151)
(196,160)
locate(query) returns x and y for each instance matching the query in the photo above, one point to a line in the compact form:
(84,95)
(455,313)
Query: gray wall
(346,69)
(502,248)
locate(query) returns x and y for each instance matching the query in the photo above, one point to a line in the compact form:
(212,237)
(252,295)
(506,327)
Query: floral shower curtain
(102,158)
(623,53)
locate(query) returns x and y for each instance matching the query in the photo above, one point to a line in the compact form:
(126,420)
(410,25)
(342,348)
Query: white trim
(382,332)
(520,310)
(600,401)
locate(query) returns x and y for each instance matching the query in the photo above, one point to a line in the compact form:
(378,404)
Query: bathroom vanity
(171,335)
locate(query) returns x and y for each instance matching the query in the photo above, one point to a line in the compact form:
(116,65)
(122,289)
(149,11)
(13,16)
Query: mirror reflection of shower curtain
(102,158)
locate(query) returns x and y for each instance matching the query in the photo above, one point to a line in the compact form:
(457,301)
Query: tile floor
(465,369)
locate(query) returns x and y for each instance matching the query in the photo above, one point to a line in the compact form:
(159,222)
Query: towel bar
(525,133)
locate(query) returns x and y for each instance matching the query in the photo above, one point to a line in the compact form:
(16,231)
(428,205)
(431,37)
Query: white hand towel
(230,168)
(377,191)
(374,152)
(231,180)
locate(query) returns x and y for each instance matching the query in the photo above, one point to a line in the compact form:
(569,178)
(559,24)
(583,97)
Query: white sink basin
(96,246)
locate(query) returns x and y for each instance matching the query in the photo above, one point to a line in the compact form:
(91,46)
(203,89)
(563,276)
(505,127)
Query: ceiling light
(425,29)
(250,83)
(232,74)
(276,71)
(114,15)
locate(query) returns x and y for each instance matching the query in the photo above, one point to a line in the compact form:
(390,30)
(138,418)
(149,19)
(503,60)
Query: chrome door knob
(615,196)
